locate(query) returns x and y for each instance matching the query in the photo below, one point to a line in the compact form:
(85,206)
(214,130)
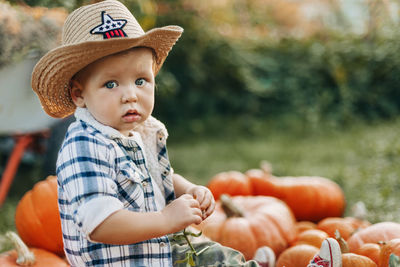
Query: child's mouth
(131,116)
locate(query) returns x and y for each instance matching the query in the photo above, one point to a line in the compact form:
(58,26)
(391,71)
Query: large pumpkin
(233,183)
(383,231)
(23,256)
(37,217)
(311,198)
(246,223)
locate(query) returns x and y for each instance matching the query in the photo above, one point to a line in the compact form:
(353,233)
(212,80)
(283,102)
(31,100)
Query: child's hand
(182,212)
(205,198)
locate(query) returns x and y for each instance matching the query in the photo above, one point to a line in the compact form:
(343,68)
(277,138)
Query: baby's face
(118,90)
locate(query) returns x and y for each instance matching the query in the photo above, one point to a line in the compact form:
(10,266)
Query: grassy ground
(361,159)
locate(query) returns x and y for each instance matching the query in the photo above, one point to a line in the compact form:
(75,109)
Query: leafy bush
(337,78)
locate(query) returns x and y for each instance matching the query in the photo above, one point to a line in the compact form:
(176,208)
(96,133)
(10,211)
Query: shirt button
(162,244)
(144,183)
(160,137)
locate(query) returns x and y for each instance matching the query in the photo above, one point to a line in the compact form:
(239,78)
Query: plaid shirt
(99,172)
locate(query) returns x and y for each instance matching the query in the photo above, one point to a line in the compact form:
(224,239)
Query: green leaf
(190,260)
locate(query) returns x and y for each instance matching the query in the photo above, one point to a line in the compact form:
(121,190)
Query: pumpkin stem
(25,256)
(344,248)
(266,167)
(230,209)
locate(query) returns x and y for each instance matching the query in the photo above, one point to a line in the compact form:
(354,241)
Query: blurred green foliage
(331,76)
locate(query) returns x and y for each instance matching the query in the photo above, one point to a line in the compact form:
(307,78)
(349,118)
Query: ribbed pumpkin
(246,223)
(383,231)
(346,226)
(37,217)
(311,198)
(371,250)
(23,256)
(355,260)
(390,247)
(233,183)
(352,259)
(313,237)
(297,256)
(304,226)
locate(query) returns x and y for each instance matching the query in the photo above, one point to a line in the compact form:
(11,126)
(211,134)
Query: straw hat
(90,33)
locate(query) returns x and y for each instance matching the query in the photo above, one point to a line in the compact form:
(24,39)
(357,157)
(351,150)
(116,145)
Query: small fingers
(210,209)
(199,195)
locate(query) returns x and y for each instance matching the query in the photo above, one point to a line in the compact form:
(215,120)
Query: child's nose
(129,94)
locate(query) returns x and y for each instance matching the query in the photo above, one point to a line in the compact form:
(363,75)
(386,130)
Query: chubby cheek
(105,112)
(148,103)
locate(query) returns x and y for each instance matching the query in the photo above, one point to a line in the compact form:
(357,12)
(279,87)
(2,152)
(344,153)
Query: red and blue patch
(109,27)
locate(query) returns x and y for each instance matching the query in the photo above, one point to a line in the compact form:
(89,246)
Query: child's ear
(75,91)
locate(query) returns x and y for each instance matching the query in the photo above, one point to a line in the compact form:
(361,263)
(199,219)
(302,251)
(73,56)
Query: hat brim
(52,74)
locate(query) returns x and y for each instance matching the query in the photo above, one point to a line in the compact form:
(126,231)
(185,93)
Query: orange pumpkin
(346,226)
(22,256)
(297,256)
(383,231)
(246,223)
(304,225)
(233,183)
(390,247)
(355,260)
(310,198)
(37,217)
(313,237)
(370,250)
(352,259)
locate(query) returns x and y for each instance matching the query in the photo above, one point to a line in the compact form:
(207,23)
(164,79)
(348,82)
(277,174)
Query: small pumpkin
(246,223)
(37,217)
(379,232)
(370,250)
(311,198)
(346,226)
(233,183)
(23,256)
(355,260)
(351,259)
(297,256)
(313,237)
(304,225)
(388,248)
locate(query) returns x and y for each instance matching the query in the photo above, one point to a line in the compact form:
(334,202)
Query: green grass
(362,159)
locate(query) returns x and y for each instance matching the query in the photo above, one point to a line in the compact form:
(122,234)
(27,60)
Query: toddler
(118,196)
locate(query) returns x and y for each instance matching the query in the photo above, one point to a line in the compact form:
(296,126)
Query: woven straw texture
(80,47)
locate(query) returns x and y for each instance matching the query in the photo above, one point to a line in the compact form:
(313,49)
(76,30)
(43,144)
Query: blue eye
(140,81)
(110,84)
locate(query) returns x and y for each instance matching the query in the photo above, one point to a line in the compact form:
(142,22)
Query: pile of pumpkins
(291,216)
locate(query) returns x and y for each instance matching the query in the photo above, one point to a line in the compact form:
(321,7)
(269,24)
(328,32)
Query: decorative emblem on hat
(110,28)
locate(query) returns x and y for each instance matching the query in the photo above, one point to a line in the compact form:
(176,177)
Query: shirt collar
(148,127)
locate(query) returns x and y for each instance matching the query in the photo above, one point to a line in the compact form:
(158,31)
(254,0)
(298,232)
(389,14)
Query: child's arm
(128,227)
(201,193)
